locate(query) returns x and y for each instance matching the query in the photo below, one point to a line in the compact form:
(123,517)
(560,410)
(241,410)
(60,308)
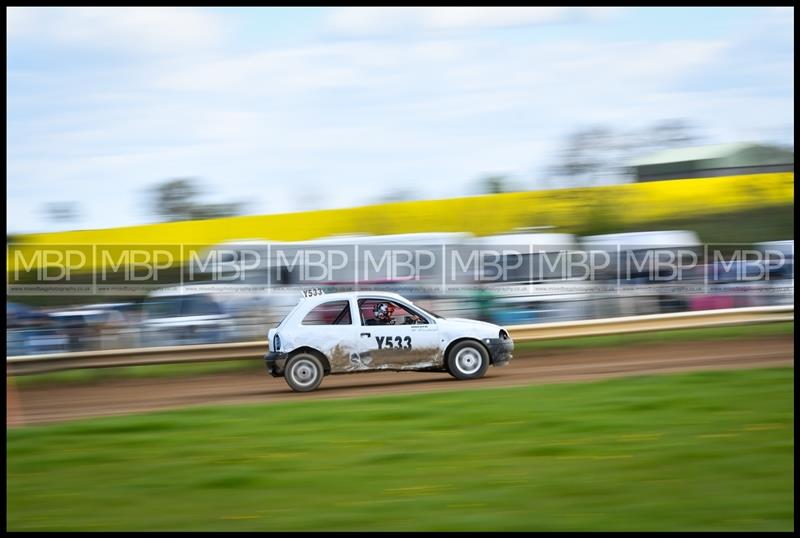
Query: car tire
(467,360)
(304,372)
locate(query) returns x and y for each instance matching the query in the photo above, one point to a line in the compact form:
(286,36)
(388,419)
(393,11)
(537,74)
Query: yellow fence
(568,210)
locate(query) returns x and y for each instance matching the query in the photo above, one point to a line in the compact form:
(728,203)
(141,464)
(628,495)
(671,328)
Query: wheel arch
(326,365)
(457,341)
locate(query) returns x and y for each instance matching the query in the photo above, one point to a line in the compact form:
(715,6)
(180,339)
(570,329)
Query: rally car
(367,331)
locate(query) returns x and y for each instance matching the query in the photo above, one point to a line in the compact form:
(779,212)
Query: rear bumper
(499,350)
(276,363)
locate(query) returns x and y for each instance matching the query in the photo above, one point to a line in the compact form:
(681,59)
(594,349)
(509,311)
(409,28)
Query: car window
(373,313)
(162,307)
(70,321)
(330,313)
(200,305)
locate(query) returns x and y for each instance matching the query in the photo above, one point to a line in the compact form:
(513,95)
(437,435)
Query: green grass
(257,364)
(700,451)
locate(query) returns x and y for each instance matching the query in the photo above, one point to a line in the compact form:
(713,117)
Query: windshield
(288,313)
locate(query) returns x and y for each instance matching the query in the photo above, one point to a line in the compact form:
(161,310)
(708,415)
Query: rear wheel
(467,360)
(304,372)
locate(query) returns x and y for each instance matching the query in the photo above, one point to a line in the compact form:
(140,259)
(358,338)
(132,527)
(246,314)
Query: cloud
(380,21)
(351,119)
(162,31)
(443,72)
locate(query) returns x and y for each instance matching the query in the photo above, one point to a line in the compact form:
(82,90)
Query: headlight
(276,343)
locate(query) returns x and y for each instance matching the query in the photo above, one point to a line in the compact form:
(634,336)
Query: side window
(331,313)
(200,305)
(162,307)
(385,312)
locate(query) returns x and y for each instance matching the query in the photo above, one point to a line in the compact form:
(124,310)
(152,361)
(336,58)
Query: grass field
(522,348)
(701,451)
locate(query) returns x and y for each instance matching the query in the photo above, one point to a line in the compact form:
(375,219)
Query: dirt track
(64,402)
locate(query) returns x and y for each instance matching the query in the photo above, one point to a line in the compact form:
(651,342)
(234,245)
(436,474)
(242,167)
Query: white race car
(368,331)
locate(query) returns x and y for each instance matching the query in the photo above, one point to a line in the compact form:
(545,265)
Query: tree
(672,133)
(62,211)
(176,200)
(599,154)
(396,195)
(493,184)
(496,184)
(587,155)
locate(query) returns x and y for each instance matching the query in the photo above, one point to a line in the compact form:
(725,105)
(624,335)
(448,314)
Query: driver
(383,313)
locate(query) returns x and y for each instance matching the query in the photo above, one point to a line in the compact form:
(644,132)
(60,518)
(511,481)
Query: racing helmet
(383,312)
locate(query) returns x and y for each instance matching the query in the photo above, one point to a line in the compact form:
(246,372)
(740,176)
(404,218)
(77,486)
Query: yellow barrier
(567,209)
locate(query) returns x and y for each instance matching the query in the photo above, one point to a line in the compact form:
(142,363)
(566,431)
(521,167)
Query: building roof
(703,153)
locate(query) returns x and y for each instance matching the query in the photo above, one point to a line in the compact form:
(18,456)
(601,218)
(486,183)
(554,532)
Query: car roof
(538,241)
(785,246)
(65,313)
(344,295)
(652,239)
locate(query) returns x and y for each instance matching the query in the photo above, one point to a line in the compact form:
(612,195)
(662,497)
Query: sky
(288,109)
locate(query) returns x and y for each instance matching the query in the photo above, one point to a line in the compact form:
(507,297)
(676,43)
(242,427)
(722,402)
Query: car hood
(481,329)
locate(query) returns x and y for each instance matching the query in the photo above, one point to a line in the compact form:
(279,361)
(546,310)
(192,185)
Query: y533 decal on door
(396,342)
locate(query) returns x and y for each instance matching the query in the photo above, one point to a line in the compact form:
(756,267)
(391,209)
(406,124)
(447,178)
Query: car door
(329,328)
(409,340)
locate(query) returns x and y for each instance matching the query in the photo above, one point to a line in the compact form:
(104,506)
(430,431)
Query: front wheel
(304,372)
(467,360)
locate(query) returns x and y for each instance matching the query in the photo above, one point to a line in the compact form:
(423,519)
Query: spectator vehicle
(31,332)
(367,331)
(644,268)
(86,328)
(177,316)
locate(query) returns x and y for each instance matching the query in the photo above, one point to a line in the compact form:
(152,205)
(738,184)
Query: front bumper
(499,350)
(276,363)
